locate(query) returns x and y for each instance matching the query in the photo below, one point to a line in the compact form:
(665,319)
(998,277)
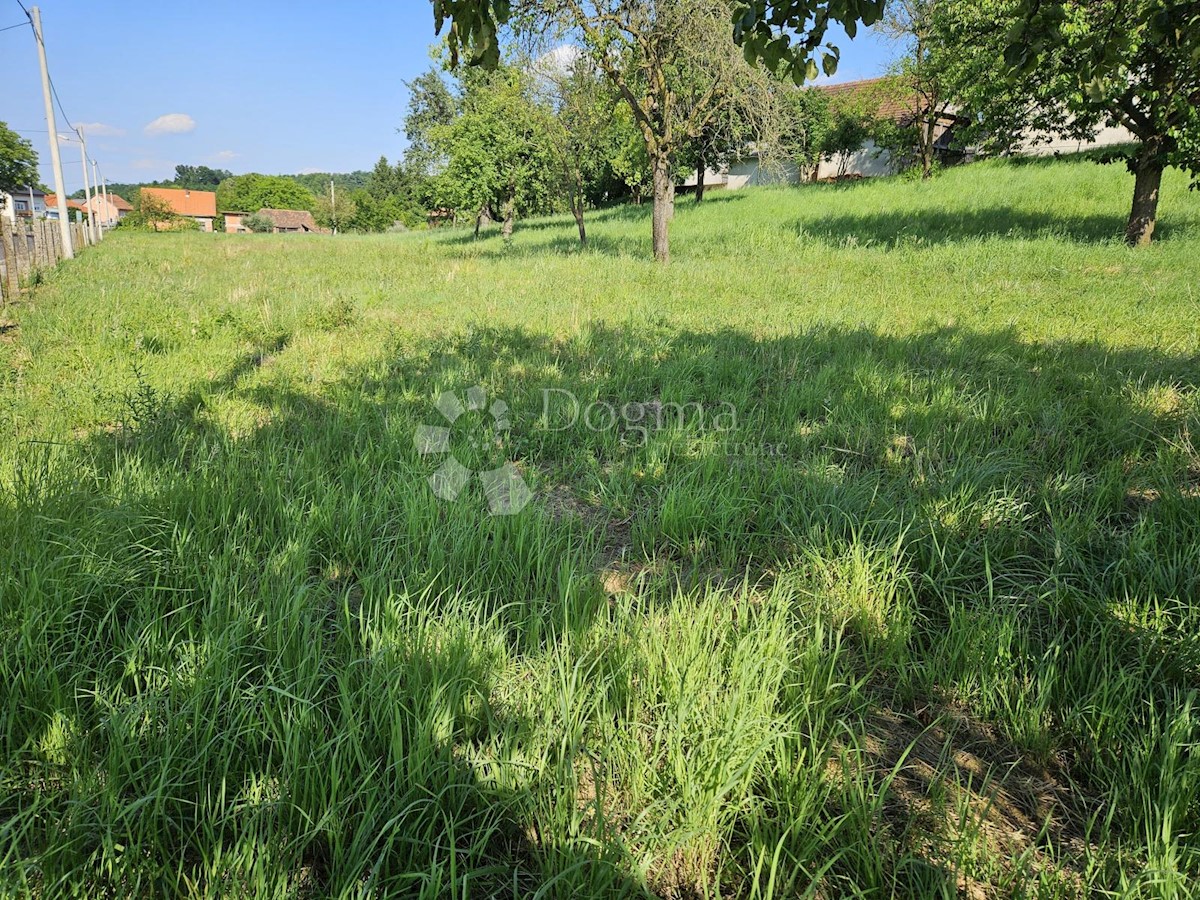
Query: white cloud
(224,156)
(99,129)
(557,61)
(147,164)
(171,123)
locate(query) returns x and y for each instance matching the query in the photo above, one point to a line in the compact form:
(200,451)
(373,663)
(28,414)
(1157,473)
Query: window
(22,205)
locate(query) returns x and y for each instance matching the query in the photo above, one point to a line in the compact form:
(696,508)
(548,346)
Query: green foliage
(787,36)
(199,178)
(808,123)
(152,213)
(369,213)
(431,105)
(250,193)
(18,161)
(258,223)
(1130,62)
(497,152)
(317,183)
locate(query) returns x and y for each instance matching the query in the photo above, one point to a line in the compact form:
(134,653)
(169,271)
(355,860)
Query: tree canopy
(18,161)
(250,193)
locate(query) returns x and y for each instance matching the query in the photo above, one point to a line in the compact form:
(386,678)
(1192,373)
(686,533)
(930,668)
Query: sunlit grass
(900,599)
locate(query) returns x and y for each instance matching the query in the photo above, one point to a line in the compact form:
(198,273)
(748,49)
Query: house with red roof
(198,205)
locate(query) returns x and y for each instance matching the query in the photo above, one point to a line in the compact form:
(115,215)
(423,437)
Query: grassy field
(862,558)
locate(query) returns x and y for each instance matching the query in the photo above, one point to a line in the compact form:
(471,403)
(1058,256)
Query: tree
(673,63)
(578,129)
(497,158)
(200,178)
(806,132)
(914,24)
(430,105)
(1134,63)
(250,193)
(18,161)
(155,214)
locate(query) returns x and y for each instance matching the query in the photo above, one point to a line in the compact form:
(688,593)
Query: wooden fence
(30,247)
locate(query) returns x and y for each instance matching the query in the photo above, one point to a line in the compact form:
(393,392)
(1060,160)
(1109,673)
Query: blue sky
(256,86)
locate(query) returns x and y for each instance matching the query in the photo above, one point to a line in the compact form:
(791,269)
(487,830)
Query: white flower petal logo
(505,488)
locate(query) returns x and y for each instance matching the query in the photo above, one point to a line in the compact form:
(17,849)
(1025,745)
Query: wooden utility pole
(333,206)
(64,225)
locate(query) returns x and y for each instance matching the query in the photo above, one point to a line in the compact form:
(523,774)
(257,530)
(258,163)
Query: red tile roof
(889,96)
(300,219)
(186,203)
(52,200)
(119,202)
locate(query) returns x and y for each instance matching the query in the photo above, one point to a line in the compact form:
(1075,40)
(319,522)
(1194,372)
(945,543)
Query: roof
(185,202)
(119,202)
(291,218)
(25,190)
(890,98)
(52,200)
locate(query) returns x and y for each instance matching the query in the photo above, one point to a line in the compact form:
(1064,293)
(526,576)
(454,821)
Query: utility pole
(107,206)
(64,225)
(96,191)
(90,217)
(333,206)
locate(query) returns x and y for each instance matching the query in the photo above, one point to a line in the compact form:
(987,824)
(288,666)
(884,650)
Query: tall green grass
(917,618)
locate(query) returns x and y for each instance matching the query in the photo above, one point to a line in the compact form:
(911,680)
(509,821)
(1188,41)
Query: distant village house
(111,212)
(889,104)
(198,205)
(285,221)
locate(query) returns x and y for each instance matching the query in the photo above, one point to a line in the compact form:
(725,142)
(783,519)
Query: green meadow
(860,555)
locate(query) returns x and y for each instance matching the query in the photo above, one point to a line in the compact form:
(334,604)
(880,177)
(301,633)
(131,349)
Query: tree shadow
(562,236)
(999,467)
(933,227)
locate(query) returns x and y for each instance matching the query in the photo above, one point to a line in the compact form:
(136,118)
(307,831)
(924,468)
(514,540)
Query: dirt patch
(954,782)
(8,331)
(617,575)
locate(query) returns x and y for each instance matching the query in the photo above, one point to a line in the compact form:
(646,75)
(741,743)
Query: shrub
(259,224)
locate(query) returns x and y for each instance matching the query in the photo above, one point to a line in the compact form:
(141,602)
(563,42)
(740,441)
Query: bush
(259,224)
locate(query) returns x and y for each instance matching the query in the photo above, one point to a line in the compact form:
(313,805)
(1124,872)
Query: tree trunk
(1148,172)
(700,169)
(664,200)
(510,215)
(927,151)
(577,211)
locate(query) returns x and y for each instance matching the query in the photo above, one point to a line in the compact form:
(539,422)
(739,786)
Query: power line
(23,9)
(11,27)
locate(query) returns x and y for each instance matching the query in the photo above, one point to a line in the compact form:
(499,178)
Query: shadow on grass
(1057,478)
(564,237)
(924,227)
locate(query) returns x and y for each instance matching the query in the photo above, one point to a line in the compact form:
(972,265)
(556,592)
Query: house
(879,98)
(110,212)
(285,221)
(198,205)
(235,222)
(76,209)
(27,202)
(884,99)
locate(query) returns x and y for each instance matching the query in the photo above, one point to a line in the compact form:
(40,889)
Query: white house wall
(1106,137)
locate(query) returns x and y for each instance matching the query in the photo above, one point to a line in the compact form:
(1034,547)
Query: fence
(30,247)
